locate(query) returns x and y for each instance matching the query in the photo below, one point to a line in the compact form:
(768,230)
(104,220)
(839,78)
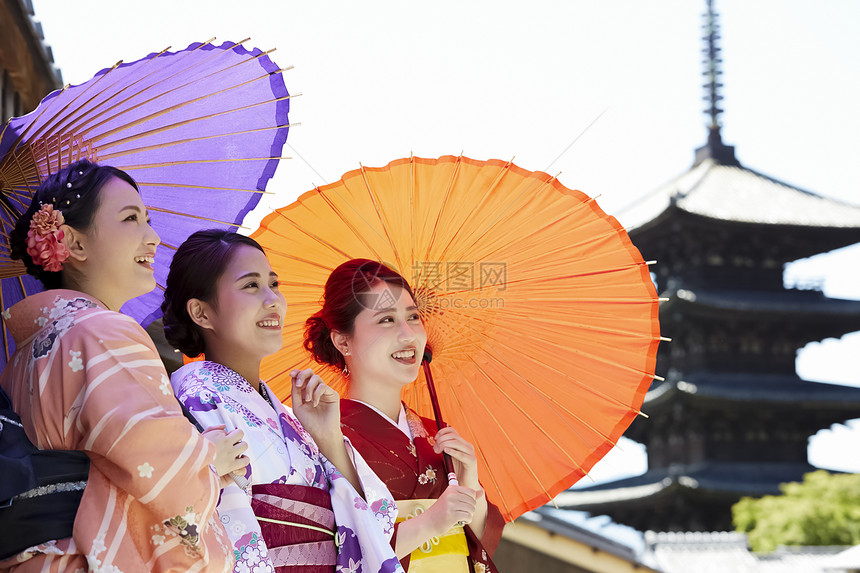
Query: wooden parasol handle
(437,413)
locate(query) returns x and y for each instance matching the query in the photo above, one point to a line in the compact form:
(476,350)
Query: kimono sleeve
(364,525)
(197,392)
(493,527)
(377,497)
(124,416)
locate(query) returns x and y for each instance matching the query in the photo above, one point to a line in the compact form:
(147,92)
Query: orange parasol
(541,313)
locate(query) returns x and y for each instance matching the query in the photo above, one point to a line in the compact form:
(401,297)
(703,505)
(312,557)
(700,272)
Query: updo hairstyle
(74,191)
(194,272)
(343,299)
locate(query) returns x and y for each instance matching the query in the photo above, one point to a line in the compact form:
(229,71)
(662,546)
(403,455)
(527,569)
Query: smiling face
(245,319)
(119,247)
(388,338)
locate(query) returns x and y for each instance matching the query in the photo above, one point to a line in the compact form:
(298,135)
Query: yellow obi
(448,553)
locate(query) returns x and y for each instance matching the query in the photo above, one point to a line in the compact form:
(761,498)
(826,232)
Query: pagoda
(732,418)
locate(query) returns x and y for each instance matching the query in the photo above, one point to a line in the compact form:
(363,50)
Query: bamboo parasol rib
(201,129)
(543,365)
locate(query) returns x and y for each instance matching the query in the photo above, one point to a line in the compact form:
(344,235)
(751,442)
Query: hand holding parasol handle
(437,413)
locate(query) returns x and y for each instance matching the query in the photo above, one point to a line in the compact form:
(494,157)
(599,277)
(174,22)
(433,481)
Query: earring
(345,370)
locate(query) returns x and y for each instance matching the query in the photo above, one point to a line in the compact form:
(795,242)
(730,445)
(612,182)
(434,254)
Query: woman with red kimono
(370,329)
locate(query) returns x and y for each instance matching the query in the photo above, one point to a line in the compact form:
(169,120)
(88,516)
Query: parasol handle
(437,413)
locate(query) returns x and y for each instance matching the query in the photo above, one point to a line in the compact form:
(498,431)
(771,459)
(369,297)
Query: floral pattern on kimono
(411,469)
(281,451)
(89,379)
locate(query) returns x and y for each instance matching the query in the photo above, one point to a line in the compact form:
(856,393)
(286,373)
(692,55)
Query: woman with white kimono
(307,501)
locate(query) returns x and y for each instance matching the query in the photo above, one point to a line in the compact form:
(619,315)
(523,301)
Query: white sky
(498,79)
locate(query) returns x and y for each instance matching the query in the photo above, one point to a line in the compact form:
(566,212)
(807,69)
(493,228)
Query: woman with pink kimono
(307,502)
(85,377)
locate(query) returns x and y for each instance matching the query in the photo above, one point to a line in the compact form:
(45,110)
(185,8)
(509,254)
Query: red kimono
(412,470)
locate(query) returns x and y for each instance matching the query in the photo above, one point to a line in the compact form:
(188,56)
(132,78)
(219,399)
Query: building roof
(730,479)
(797,302)
(735,193)
(25,55)
(553,521)
(757,387)
(848,559)
(723,551)
(568,537)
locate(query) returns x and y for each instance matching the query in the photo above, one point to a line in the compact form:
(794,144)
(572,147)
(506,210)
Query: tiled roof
(795,301)
(576,537)
(720,552)
(733,193)
(848,559)
(757,387)
(727,477)
(47,53)
(558,522)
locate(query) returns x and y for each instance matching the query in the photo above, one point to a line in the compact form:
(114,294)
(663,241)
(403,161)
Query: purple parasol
(201,130)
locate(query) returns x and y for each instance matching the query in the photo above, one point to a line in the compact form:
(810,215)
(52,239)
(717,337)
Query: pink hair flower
(45,239)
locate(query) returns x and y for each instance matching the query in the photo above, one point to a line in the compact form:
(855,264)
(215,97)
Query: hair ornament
(45,239)
(69,185)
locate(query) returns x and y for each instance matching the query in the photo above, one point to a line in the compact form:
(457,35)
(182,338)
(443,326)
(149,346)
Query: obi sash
(297,524)
(446,553)
(40,490)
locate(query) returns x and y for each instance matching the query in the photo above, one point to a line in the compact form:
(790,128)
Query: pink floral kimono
(87,378)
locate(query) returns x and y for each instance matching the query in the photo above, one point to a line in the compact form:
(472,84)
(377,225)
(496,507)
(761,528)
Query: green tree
(824,509)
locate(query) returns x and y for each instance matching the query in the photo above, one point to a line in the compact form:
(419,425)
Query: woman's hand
(317,407)
(228,449)
(466,467)
(463,455)
(456,505)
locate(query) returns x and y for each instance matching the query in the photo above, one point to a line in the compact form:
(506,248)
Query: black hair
(194,272)
(74,191)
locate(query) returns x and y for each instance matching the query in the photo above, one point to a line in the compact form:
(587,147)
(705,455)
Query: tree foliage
(824,509)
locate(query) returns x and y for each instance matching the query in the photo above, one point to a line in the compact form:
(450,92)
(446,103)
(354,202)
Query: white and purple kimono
(282,452)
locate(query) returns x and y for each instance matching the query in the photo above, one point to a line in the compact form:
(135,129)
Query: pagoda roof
(758,388)
(705,479)
(796,302)
(737,194)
